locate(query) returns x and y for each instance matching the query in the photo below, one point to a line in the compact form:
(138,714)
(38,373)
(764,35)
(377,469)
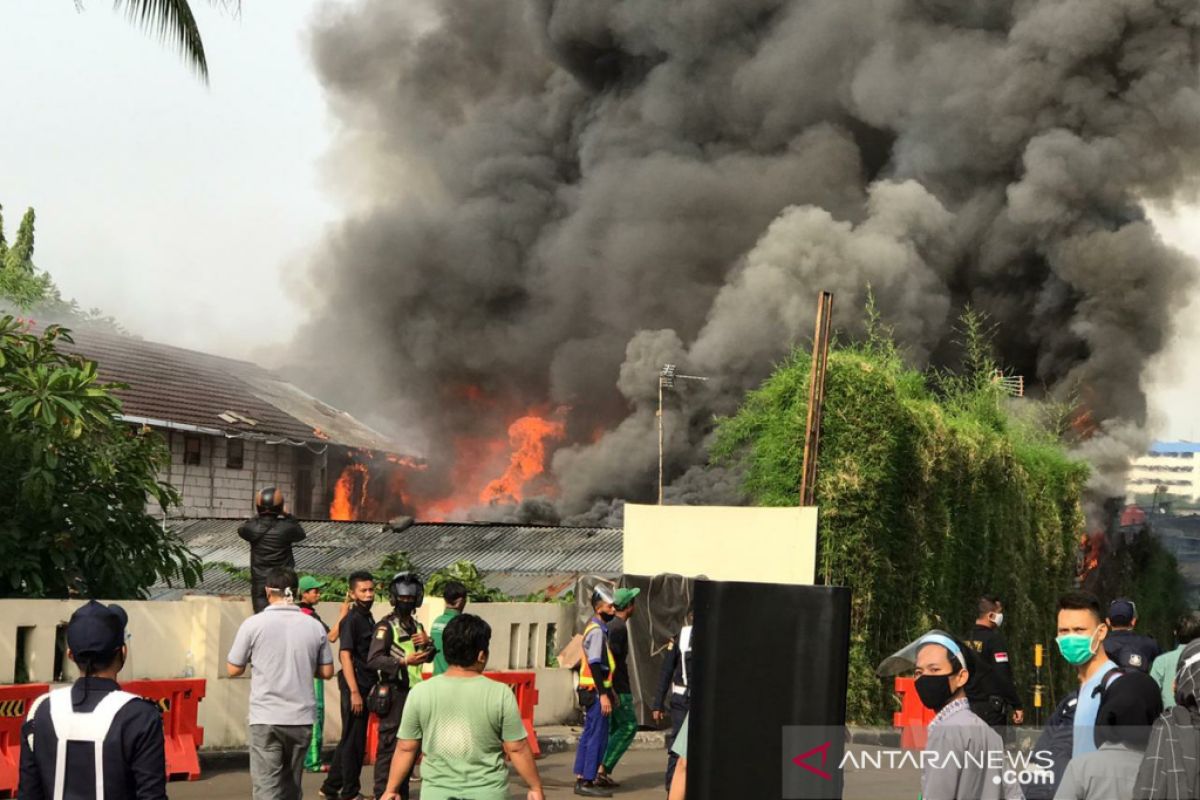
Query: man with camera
(399,647)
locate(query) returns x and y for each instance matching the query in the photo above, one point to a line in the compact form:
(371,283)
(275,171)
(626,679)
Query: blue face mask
(1076,648)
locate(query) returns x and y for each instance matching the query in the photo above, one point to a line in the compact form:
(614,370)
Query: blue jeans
(591,743)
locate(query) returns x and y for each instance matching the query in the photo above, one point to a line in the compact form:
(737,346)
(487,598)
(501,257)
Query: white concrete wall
(763,545)
(211,489)
(163,633)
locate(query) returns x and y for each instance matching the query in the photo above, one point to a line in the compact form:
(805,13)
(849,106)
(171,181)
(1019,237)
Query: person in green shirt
(455,595)
(463,725)
(1165,666)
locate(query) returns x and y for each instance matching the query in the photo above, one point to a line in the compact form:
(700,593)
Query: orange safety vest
(586,681)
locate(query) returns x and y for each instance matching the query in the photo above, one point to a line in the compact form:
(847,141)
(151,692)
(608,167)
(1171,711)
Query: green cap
(308,582)
(623,598)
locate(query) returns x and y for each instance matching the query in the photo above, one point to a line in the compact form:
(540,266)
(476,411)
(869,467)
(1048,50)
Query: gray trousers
(277,760)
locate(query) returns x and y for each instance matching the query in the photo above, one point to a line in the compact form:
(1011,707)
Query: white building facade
(1175,466)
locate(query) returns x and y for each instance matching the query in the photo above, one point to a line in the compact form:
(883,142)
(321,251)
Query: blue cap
(96,630)
(1122,611)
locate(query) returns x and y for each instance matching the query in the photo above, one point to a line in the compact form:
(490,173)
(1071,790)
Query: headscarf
(1128,707)
(1171,767)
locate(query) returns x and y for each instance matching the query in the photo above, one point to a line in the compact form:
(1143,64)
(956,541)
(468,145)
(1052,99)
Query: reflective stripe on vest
(407,646)
(586,681)
(74,726)
(685,649)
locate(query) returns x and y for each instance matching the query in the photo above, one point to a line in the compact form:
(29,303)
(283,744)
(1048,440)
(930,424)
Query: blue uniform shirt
(135,766)
(1085,713)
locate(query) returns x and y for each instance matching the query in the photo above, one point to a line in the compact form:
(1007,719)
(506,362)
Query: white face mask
(998,618)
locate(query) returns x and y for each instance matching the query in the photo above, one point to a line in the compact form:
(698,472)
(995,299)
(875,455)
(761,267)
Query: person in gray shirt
(287,648)
(964,758)
(1129,703)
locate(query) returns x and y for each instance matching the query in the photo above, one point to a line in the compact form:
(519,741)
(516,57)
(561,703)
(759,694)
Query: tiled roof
(186,387)
(517,559)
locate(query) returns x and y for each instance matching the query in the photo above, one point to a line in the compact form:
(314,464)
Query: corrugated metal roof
(517,559)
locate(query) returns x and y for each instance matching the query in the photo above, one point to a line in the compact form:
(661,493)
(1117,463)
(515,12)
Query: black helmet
(407,584)
(269,500)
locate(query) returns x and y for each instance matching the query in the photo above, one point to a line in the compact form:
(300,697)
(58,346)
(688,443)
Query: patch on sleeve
(1001,658)
(380,633)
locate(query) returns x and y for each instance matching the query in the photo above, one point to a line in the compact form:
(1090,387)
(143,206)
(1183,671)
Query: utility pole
(816,400)
(666,380)
(816,409)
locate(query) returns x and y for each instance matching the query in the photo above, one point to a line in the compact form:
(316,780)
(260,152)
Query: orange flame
(350,493)
(528,437)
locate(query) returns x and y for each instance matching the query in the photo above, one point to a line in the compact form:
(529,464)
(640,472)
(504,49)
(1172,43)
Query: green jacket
(440,664)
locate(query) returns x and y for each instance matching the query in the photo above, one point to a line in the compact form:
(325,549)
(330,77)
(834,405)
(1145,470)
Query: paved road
(640,773)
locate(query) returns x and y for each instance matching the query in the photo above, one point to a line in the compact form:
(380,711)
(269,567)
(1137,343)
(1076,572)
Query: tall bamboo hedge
(930,493)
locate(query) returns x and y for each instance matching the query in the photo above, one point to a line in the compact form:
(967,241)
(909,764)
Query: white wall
(763,545)
(211,489)
(163,633)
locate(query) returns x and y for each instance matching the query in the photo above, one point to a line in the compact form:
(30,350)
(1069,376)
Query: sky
(182,209)
(186,210)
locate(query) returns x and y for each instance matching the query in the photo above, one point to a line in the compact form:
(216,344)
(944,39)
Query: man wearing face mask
(595,694)
(1081,633)
(966,757)
(399,648)
(354,682)
(995,692)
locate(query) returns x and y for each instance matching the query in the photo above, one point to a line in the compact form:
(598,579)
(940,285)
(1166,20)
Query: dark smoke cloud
(554,197)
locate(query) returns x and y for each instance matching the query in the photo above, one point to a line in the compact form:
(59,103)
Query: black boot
(589,789)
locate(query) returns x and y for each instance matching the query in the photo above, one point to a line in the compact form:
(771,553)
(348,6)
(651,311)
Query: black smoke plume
(553,198)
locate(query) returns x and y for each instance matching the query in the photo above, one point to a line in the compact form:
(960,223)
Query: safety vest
(406,645)
(76,726)
(586,681)
(685,651)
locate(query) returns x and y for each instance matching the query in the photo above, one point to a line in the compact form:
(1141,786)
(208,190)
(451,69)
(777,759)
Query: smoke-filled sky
(544,200)
(558,196)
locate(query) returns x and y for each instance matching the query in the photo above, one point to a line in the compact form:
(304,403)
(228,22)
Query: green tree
(75,482)
(20,281)
(930,494)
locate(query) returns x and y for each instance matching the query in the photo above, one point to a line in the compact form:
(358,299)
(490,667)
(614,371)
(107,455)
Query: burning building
(232,427)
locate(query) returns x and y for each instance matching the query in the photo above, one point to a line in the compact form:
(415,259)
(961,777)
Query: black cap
(1122,611)
(96,630)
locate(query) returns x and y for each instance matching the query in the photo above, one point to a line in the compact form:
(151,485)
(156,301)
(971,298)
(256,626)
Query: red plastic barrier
(372,739)
(913,718)
(14,706)
(524,686)
(179,702)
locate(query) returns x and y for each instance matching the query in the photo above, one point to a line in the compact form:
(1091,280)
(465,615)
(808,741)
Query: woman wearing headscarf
(963,757)
(1130,702)
(1171,767)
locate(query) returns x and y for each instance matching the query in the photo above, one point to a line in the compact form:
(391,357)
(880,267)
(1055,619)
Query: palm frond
(173,21)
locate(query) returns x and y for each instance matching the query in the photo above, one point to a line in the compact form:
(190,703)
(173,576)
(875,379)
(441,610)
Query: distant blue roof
(1165,448)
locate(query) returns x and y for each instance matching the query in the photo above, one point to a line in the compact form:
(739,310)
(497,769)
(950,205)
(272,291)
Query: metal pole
(660,440)
(816,400)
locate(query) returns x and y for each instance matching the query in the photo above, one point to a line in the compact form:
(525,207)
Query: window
(304,484)
(303,507)
(191,450)
(235,453)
